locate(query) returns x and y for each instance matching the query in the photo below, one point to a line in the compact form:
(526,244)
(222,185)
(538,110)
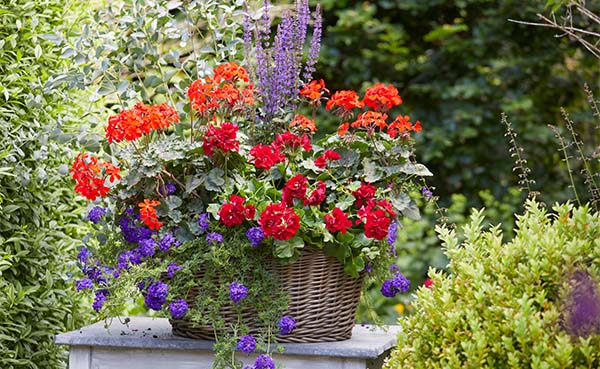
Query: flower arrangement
(191,215)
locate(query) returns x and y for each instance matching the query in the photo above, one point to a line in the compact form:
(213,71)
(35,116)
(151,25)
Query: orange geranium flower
(371,119)
(343,128)
(148,214)
(381,97)
(230,72)
(402,124)
(314,90)
(345,100)
(90,176)
(141,119)
(303,124)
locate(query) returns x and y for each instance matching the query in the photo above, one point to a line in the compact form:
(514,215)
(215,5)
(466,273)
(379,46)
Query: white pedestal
(148,343)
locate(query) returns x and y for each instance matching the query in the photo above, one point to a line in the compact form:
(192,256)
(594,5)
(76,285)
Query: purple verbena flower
(147,247)
(286,325)
(83,284)
(178,308)
(214,237)
(171,269)
(398,284)
(83,255)
(246,344)
(169,189)
(166,242)
(96,213)
(131,232)
(264,361)
(255,235)
(156,296)
(99,299)
(203,222)
(237,292)
(368,268)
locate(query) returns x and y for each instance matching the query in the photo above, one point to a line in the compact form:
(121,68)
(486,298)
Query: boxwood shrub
(532,302)
(39,219)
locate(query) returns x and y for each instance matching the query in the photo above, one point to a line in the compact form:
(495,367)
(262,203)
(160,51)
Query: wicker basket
(323,301)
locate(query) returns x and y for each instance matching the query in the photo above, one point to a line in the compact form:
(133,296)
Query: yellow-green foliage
(500,304)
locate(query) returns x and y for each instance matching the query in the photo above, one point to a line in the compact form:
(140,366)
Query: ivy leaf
(287,249)
(404,204)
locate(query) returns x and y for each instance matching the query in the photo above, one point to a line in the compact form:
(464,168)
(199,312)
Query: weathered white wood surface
(147,343)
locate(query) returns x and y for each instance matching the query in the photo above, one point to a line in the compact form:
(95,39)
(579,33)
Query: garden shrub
(39,218)
(511,305)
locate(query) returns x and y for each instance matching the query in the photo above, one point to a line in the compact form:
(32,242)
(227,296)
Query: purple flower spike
(286,325)
(237,292)
(255,235)
(95,214)
(178,308)
(392,235)
(84,284)
(246,344)
(264,361)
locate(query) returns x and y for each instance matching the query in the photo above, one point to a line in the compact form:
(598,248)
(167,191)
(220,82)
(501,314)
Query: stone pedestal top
(367,342)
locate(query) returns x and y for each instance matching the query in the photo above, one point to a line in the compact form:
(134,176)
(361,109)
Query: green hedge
(39,218)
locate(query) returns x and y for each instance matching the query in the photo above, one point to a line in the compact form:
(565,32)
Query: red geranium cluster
(265,156)
(222,89)
(279,221)
(381,97)
(90,176)
(223,137)
(337,221)
(148,214)
(317,196)
(234,212)
(290,141)
(295,188)
(140,120)
(328,155)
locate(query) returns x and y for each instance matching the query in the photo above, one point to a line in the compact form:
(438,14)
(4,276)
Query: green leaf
(192,183)
(372,173)
(215,180)
(287,249)
(173,202)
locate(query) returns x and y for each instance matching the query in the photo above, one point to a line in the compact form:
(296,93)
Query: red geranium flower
(295,188)
(148,214)
(223,137)
(291,141)
(317,196)
(279,221)
(337,221)
(377,224)
(328,155)
(265,156)
(234,212)
(428,283)
(364,194)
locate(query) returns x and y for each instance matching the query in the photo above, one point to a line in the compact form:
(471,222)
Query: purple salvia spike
(315,45)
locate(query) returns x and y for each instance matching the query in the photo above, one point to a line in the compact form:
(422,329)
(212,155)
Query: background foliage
(39,219)
(459,64)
